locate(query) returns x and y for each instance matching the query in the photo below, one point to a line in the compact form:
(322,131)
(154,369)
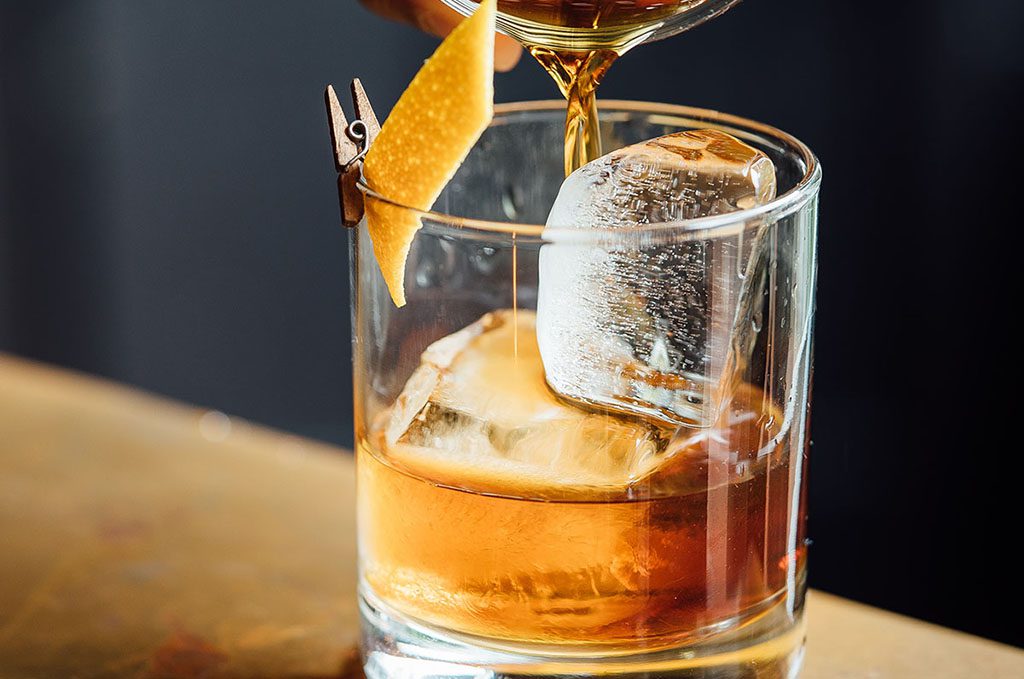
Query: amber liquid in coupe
(576,41)
(493,508)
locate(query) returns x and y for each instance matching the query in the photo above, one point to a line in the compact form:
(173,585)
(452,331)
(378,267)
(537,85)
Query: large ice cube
(643,322)
(477,409)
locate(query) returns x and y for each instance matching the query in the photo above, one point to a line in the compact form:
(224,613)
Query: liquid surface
(489,507)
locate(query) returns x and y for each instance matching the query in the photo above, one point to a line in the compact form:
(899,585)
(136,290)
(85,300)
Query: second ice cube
(643,321)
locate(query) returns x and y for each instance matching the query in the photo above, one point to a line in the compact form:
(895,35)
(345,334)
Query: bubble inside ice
(642,321)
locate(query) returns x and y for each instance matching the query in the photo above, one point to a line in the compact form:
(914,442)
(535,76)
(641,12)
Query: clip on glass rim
(350,141)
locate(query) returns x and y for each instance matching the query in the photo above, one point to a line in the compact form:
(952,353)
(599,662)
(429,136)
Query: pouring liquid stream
(577,75)
(576,41)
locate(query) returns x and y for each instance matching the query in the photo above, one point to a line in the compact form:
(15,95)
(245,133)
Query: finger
(436,18)
(506,53)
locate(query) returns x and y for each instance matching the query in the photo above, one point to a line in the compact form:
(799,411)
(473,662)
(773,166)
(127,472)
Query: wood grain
(142,538)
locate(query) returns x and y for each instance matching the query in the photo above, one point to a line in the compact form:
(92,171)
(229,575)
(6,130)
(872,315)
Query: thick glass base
(394,647)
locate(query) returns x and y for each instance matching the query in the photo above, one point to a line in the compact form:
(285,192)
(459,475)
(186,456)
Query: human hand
(436,18)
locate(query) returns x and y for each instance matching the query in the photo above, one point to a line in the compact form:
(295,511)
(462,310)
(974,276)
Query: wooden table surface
(142,538)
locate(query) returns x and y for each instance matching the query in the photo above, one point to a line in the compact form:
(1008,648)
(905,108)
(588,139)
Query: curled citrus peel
(428,134)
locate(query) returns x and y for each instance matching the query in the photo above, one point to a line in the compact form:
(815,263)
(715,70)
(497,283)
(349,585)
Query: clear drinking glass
(507,530)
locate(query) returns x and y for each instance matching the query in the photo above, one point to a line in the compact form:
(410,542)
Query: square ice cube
(643,321)
(478,409)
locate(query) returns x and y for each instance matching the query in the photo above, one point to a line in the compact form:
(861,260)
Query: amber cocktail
(625,502)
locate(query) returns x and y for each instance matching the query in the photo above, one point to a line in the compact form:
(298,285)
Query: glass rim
(715,225)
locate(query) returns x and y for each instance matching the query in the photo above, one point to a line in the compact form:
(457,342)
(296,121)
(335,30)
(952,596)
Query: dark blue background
(168,218)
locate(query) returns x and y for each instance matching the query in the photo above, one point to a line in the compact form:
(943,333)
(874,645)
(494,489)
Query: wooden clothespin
(350,142)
